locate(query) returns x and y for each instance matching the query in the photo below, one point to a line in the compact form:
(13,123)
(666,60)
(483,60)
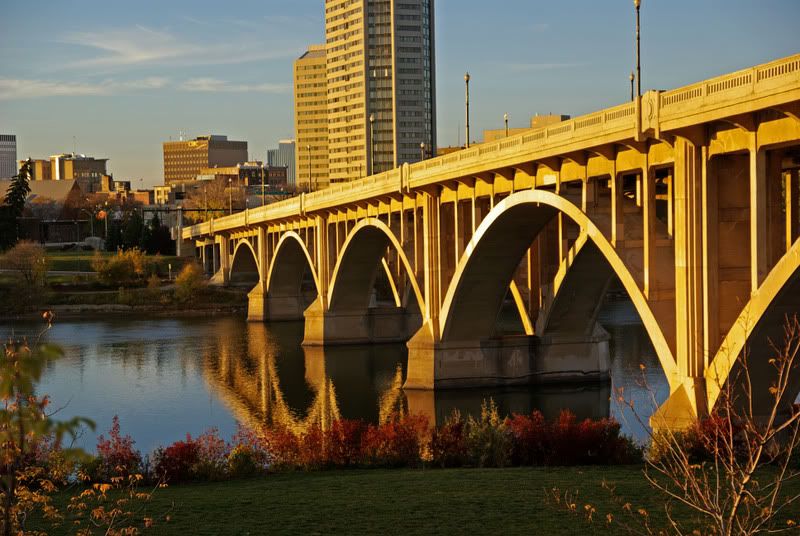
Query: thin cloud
(16,89)
(139,45)
(214,85)
(540,27)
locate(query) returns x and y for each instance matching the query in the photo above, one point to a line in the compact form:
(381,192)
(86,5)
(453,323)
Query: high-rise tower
(311,120)
(380,85)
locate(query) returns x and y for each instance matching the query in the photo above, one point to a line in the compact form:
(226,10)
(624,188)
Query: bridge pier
(375,325)
(506,361)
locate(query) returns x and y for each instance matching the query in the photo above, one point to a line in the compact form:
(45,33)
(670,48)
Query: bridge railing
(684,101)
(739,84)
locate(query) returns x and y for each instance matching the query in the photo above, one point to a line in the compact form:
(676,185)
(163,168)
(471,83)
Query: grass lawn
(454,501)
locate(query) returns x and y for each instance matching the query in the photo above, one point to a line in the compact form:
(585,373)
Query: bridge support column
(374,326)
(688,398)
(222,265)
(257,307)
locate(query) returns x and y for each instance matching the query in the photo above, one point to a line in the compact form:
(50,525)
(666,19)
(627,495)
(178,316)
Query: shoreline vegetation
(86,283)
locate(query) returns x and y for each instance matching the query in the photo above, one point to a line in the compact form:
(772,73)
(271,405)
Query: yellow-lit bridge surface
(688,199)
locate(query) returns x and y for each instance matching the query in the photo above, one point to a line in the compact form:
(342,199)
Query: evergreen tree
(14,205)
(18,191)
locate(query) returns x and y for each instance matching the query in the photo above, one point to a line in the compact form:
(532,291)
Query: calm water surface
(167,377)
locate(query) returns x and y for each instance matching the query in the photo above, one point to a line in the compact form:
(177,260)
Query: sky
(115,79)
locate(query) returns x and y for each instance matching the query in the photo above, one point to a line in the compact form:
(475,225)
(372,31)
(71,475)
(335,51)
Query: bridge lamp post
(230,195)
(466,81)
(372,144)
(263,188)
(632,77)
(505,119)
(638,4)
(421,151)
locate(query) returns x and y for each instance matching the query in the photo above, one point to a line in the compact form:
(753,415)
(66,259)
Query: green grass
(407,502)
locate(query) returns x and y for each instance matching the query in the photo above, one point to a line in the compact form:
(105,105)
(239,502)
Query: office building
(380,85)
(184,159)
(8,156)
(283,156)
(311,119)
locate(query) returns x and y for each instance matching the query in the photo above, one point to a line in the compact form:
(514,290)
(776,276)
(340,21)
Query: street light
(466,81)
(637,4)
(308,148)
(263,188)
(632,78)
(230,196)
(371,144)
(421,151)
(505,119)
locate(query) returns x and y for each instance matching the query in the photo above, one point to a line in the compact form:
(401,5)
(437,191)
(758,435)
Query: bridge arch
(483,273)
(759,331)
(358,264)
(244,264)
(291,261)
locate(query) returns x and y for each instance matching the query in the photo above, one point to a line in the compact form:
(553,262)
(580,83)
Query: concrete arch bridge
(686,198)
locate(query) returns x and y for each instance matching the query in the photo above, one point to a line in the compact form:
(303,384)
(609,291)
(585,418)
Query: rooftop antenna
(74,145)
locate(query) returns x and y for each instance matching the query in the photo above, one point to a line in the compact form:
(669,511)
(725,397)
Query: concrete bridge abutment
(375,325)
(507,361)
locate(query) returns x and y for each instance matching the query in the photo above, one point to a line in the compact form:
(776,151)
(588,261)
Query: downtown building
(380,88)
(184,159)
(8,156)
(284,156)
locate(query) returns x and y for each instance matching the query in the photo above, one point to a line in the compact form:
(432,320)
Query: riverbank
(76,300)
(407,502)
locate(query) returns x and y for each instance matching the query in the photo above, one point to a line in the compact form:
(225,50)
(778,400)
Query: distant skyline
(123,77)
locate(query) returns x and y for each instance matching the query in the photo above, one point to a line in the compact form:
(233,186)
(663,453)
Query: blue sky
(121,77)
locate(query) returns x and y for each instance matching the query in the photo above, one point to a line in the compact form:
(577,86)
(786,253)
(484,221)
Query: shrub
(284,449)
(256,446)
(530,439)
(153,287)
(488,439)
(243,461)
(29,264)
(396,443)
(212,456)
(125,268)
(189,281)
(116,456)
(28,261)
(311,451)
(343,443)
(175,463)
(448,445)
(701,442)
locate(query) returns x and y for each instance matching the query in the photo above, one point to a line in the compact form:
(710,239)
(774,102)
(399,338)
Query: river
(166,377)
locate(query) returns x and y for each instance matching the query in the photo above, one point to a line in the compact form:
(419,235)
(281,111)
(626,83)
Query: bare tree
(731,467)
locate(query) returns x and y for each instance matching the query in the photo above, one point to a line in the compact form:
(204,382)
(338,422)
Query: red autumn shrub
(396,443)
(530,443)
(175,463)
(449,444)
(343,443)
(255,443)
(284,449)
(311,452)
(116,455)
(212,456)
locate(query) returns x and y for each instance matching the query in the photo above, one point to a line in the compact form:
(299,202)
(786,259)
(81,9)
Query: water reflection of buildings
(268,379)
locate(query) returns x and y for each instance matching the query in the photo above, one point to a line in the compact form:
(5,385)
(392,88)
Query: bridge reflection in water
(268,379)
